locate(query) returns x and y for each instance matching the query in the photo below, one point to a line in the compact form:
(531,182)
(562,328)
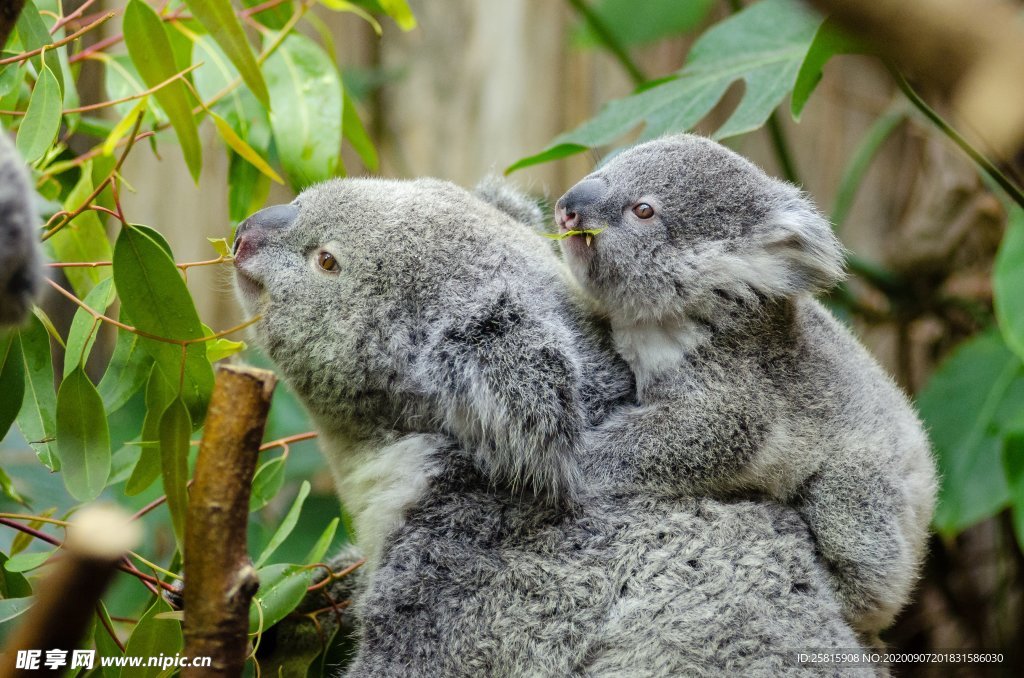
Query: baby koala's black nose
(579,197)
(276,217)
(582,195)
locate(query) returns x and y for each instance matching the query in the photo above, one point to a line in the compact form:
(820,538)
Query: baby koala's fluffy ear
(805,254)
(509,199)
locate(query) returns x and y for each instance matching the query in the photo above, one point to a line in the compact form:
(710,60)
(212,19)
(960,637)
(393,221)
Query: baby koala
(706,269)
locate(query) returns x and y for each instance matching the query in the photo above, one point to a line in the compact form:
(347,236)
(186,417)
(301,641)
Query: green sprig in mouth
(589,233)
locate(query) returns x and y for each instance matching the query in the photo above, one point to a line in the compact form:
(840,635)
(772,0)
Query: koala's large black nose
(276,217)
(583,194)
(579,197)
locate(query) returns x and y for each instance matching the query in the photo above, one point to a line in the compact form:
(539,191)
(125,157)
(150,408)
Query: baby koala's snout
(584,194)
(250,232)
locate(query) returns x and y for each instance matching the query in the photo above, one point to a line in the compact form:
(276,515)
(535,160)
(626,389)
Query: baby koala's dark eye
(643,210)
(327,261)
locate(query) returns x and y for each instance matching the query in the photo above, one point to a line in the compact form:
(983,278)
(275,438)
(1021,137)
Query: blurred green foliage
(280,107)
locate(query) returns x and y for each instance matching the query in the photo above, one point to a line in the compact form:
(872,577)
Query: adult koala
(21,273)
(444,356)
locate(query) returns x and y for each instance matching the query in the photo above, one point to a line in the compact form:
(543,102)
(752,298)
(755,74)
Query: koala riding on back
(453,375)
(706,268)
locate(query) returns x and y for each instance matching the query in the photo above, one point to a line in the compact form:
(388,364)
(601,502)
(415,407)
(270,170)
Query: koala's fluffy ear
(510,200)
(21,272)
(796,250)
(506,385)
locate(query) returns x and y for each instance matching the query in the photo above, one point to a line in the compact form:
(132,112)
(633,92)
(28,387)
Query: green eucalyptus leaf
(150,51)
(829,41)
(568,234)
(155,296)
(11,76)
(282,588)
(82,239)
(121,79)
(1013,465)
(274,17)
(266,483)
(218,16)
(306,110)
(175,436)
(352,129)
(148,468)
(213,75)
(83,439)
(41,123)
(8,489)
(286,526)
(966,406)
(127,371)
(764,45)
(12,584)
(248,188)
(26,562)
(12,380)
(153,637)
(400,12)
(37,417)
(85,328)
(11,608)
(319,550)
(1008,282)
(639,23)
(105,645)
(34,33)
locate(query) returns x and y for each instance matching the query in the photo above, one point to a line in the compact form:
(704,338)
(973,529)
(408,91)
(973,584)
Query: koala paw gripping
(21,272)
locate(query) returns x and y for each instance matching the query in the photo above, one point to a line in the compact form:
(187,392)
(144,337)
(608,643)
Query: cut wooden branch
(98,538)
(972,51)
(219,577)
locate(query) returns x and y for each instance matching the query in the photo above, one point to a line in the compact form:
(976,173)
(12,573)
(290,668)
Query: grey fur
(453,373)
(506,197)
(746,383)
(21,272)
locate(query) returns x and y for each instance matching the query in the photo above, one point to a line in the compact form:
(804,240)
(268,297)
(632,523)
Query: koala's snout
(584,194)
(247,236)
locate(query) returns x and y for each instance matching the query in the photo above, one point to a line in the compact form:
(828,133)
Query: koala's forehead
(680,161)
(369,208)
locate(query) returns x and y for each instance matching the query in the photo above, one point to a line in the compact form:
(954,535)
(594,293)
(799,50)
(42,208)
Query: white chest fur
(653,349)
(378,481)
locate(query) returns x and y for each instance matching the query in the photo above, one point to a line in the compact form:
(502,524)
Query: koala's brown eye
(327,261)
(643,210)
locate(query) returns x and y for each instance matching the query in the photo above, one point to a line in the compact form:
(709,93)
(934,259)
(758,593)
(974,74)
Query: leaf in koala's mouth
(589,233)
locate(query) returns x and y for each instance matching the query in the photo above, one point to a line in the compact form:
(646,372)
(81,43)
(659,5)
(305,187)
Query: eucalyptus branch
(284,442)
(262,7)
(68,18)
(142,333)
(280,442)
(133,136)
(183,265)
(24,56)
(124,566)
